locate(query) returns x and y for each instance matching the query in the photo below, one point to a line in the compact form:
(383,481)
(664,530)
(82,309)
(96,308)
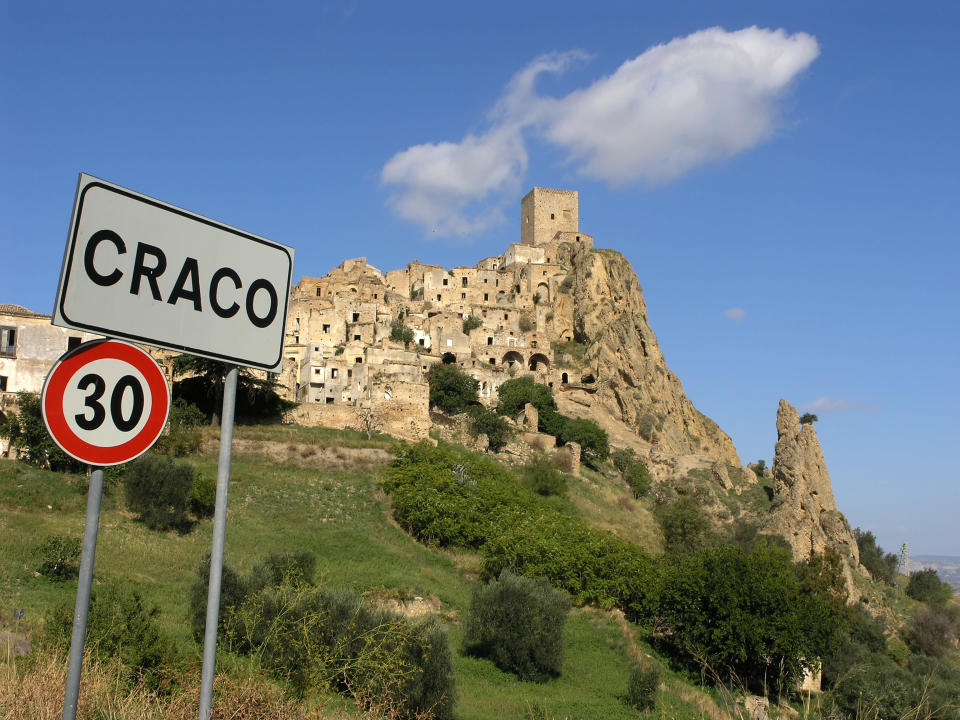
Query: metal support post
(219,535)
(82,607)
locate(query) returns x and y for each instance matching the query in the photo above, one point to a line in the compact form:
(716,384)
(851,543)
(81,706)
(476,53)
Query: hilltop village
(359,337)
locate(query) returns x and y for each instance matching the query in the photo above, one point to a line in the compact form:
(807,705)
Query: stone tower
(545,212)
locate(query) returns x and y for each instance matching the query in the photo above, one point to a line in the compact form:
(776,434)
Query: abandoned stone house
(345,345)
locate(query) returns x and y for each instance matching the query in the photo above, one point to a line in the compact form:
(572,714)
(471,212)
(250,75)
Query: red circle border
(56,384)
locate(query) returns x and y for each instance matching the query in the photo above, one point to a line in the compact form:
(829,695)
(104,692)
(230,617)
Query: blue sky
(787,195)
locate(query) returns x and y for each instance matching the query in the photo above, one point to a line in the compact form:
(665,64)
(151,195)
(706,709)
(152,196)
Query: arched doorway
(513,359)
(539,361)
(564,378)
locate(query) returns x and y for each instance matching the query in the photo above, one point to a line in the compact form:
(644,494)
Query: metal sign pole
(219,535)
(82,608)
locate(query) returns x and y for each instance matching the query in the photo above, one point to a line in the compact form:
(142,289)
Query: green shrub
(232,592)
(59,557)
(639,479)
(526,323)
(119,625)
(543,477)
(926,586)
(591,437)
(183,436)
(685,527)
(158,489)
(567,284)
(933,631)
(471,322)
(760,467)
(808,419)
(277,568)
(451,389)
(883,566)
(399,332)
(30,441)
(318,638)
(643,687)
(757,619)
(518,623)
(495,427)
(514,394)
(623,459)
(203,496)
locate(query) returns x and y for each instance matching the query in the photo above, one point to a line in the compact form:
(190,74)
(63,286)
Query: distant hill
(947,566)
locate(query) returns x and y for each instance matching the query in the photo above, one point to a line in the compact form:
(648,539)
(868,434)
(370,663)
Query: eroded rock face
(624,361)
(804,511)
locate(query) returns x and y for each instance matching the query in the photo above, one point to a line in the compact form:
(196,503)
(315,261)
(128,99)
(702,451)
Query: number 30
(92,401)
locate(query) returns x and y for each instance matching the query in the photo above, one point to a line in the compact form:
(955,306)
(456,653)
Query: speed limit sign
(105,402)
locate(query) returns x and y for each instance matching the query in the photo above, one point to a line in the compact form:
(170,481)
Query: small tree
(158,490)
(518,623)
(514,394)
(759,467)
(926,586)
(451,389)
(526,323)
(368,422)
(808,419)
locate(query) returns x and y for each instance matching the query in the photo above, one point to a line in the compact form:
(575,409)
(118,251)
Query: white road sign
(146,271)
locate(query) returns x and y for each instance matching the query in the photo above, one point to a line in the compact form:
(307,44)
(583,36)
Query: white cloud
(827,406)
(457,188)
(694,100)
(736,314)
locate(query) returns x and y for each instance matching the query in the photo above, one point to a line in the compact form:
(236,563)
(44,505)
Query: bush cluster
(163,492)
(183,436)
(315,637)
(633,471)
(451,389)
(868,677)
(926,586)
(514,394)
(643,687)
(757,617)
(518,623)
(541,476)
(119,625)
(495,427)
(59,557)
(158,489)
(883,566)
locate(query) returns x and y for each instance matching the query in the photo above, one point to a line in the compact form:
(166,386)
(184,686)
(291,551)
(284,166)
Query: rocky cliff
(804,511)
(633,384)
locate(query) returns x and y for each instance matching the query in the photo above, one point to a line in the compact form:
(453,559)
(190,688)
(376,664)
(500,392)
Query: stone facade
(358,336)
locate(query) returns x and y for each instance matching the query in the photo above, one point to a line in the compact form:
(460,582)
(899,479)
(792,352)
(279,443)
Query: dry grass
(34,691)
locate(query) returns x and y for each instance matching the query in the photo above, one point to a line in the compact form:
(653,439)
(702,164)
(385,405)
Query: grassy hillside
(311,489)
(296,489)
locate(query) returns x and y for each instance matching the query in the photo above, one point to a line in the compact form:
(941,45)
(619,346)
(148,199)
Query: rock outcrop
(623,359)
(804,511)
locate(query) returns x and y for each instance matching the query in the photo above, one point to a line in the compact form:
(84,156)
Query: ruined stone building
(361,337)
